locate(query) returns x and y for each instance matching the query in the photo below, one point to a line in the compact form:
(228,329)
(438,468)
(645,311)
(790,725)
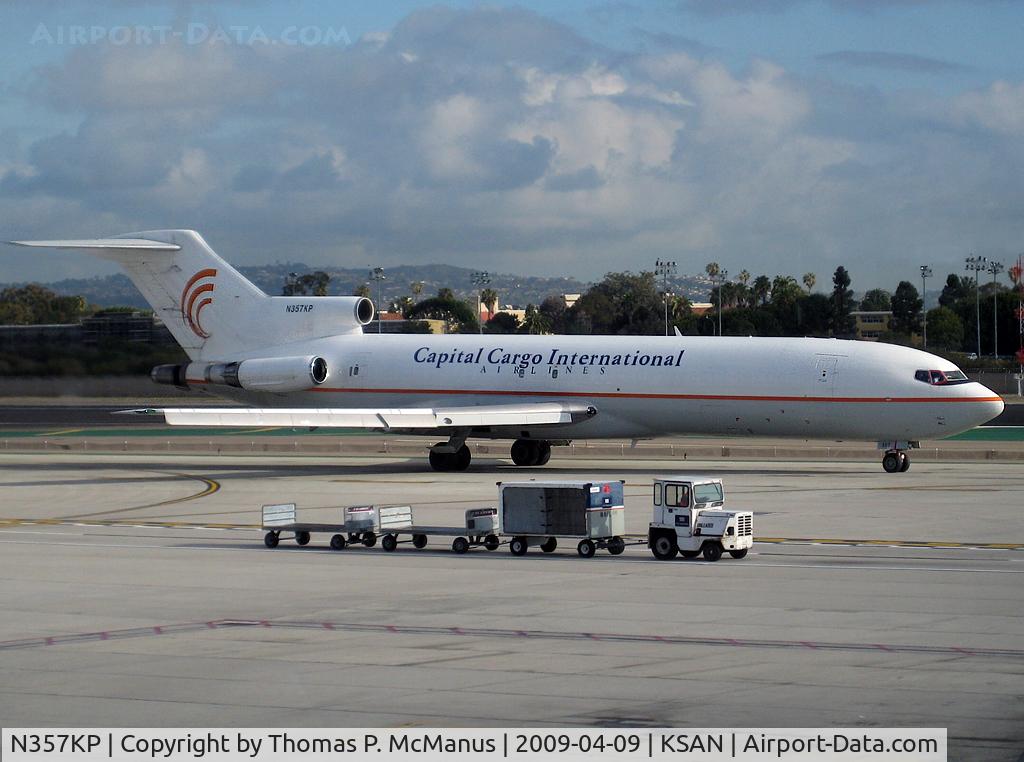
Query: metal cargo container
(535,513)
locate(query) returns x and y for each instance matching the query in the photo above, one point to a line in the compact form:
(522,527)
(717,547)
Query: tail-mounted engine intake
(266,374)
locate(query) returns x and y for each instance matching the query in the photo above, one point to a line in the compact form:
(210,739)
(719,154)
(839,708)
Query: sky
(562,137)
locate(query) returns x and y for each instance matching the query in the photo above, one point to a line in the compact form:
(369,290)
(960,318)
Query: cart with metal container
(362,524)
(538,513)
(480,530)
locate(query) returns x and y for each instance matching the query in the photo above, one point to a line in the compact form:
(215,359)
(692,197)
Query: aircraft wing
(470,416)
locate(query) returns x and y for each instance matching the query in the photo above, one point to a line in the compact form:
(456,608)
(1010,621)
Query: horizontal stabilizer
(121,244)
(547,413)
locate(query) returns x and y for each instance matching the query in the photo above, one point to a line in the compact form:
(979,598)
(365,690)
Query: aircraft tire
(460,459)
(545,453)
(712,551)
(904,462)
(522,452)
(438,461)
(891,462)
(738,554)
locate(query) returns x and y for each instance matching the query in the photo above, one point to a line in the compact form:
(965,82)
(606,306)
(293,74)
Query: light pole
(926,272)
(377,274)
(666,270)
(723,276)
(480,280)
(995,268)
(978,265)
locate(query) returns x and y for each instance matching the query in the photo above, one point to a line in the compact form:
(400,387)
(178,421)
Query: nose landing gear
(896,459)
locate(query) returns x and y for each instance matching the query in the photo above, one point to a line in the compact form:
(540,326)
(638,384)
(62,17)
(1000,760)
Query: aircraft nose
(988,406)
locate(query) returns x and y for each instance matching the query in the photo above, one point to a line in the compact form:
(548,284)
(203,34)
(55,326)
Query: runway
(138,592)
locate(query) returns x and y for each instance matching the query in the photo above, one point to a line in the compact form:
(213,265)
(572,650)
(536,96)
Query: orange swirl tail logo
(193,300)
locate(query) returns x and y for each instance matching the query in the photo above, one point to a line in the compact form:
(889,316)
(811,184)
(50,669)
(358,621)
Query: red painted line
(264,623)
(592,636)
(884,648)
(392,628)
(522,634)
(963,651)
(809,645)
(212,625)
(104,636)
(327,626)
(158,630)
(647,396)
(49,641)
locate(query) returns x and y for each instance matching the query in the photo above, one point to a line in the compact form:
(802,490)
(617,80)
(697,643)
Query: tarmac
(137,592)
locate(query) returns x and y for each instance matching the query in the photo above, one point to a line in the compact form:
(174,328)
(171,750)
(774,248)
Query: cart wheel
(419,541)
(712,551)
(302,538)
(689,553)
(369,539)
(338,542)
(389,542)
(742,553)
(270,539)
(491,542)
(664,547)
(517,546)
(586,548)
(616,545)
(549,545)
(460,545)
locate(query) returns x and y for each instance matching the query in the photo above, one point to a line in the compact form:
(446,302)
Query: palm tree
(712,269)
(488,298)
(761,289)
(417,288)
(535,321)
(809,280)
(363,290)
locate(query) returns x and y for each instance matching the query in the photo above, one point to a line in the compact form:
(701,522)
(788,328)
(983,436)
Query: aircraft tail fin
(205,303)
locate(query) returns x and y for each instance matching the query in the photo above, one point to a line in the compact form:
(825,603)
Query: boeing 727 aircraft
(305,362)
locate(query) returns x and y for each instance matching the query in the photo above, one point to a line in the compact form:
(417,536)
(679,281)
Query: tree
(945,329)
(488,298)
(622,303)
(842,323)
(502,322)
(876,300)
(814,312)
(761,289)
(445,293)
(809,280)
(553,308)
(743,277)
(534,322)
(416,287)
(712,269)
(457,314)
(906,309)
(363,290)
(308,284)
(956,288)
(33,304)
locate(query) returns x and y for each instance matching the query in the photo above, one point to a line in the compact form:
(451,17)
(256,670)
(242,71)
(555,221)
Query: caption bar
(238,745)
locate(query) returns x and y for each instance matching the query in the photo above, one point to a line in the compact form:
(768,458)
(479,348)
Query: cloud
(497,138)
(875,59)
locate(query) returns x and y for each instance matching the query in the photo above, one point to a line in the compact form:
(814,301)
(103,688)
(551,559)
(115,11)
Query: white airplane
(305,362)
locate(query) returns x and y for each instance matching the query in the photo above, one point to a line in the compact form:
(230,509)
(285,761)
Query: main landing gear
(531,452)
(452,455)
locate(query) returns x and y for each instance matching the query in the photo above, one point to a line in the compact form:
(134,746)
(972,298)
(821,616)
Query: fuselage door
(825,367)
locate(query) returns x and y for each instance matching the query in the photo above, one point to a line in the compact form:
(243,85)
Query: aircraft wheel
(616,545)
(270,539)
(491,542)
(438,461)
(460,459)
(904,462)
(712,551)
(460,545)
(369,539)
(518,546)
(545,453)
(891,462)
(389,542)
(419,541)
(522,452)
(742,553)
(338,542)
(586,548)
(549,545)
(664,547)
(302,538)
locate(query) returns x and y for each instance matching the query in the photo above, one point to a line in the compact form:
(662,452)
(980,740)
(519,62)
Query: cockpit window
(941,377)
